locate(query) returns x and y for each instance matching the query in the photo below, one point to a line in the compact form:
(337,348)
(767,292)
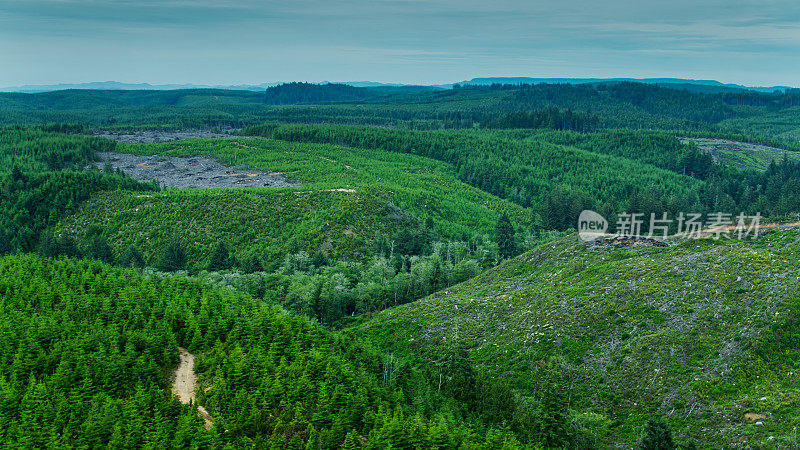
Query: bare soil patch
(185,384)
(752,417)
(185,380)
(190,172)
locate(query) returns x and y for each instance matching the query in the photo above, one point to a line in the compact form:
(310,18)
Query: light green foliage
(349,198)
(418,185)
(566,346)
(688,331)
(268,223)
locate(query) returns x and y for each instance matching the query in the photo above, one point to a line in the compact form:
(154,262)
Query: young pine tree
(351,442)
(506,242)
(657,436)
(252,264)
(173,257)
(99,249)
(131,257)
(220,259)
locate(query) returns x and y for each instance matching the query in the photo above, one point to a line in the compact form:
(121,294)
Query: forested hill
(558,174)
(342,262)
(703,332)
(87,351)
(680,83)
(43,179)
(292,93)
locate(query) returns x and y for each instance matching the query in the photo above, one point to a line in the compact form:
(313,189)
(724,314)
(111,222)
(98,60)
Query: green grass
(687,332)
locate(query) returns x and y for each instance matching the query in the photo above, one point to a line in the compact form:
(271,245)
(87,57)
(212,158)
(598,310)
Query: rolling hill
(346,195)
(704,333)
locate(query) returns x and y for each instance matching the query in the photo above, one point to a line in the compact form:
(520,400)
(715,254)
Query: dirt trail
(185,384)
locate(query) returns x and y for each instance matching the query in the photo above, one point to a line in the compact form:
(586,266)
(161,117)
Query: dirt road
(185,380)
(185,384)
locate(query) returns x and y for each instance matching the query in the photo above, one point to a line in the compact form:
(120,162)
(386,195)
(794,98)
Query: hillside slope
(345,199)
(267,223)
(701,333)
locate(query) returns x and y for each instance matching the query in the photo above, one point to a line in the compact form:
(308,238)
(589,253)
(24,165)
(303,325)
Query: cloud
(391,38)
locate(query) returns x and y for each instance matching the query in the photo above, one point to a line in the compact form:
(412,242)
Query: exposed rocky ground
(742,155)
(161,135)
(628,241)
(189,172)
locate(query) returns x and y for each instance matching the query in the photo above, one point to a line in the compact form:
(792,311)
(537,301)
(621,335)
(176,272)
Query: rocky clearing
(162,136)
(740,154)
(189,172)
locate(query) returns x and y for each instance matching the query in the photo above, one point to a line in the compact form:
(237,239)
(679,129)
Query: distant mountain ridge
(116,85)
(711,85)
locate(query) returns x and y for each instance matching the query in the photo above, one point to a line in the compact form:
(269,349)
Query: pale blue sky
(406,41)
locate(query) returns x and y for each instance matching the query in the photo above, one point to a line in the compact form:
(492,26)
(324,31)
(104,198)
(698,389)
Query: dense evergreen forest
(578,107)
(92,347)
(293,93)
(399,197)
(44,180)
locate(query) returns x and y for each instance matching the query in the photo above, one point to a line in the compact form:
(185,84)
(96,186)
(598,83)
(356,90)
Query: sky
(755,43)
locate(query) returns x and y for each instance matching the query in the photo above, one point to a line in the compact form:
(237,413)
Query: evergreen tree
(67,247)
(506,242)
(552,426)
(318,259)
(16,174)
(657,436)
(99,249)
(131,257)
(173,256)
(351,442)
(48,246)
(252,264)
(220,259)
